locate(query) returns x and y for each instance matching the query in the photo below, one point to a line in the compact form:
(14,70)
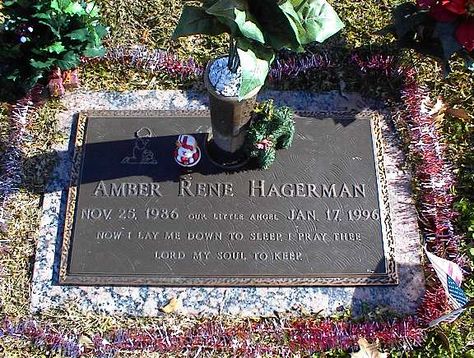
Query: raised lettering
(228,189)
(126,189)
(345,192)
(347,236)
(328,192)
(257,188)
(109,235)
(273,191)
(174,235)
(260,187)
(215,189)
(201,255)
(205,189)
(155,189)
(359,189)
(169,255)
(300,190)
(100,188)
(296,214)
(287,256)
(266,236)
(312,191)
(201,189)
(231,256)
(117,190)
(146,235)
(258,216)
(184,188)
(287,190)
(204,236)
(96,214)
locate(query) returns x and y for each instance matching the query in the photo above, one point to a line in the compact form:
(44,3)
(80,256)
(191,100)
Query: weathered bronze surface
(319,216)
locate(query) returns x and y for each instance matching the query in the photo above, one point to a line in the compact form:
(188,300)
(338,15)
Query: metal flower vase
(230,118)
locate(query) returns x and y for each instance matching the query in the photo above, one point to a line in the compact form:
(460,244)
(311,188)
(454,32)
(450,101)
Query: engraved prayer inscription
(316,217)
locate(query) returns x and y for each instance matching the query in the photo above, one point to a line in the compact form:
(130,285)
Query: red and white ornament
(187,153)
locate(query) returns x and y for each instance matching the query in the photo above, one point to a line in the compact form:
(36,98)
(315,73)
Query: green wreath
(272,128)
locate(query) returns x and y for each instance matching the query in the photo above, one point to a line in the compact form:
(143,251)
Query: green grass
(150,23)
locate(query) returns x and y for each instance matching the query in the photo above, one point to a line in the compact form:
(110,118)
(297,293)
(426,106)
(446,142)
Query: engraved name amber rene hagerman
(318,216)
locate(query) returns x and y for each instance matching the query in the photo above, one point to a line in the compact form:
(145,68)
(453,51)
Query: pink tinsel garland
(11,163)
(435,177)
(160,61)
(299,336)
(248,339)
(433,172)
(154,61)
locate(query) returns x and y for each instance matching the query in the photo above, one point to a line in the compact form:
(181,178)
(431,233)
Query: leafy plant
(437,28)
(39,35)
(258,29)
(272,128)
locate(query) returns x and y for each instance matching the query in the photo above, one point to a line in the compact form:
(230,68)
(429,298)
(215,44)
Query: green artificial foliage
(40,35)
(272,128)
(259,29)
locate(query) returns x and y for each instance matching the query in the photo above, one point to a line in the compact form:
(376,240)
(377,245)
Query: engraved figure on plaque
(140,153)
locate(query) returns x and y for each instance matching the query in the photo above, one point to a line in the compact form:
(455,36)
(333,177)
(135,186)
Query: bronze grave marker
(318,216)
